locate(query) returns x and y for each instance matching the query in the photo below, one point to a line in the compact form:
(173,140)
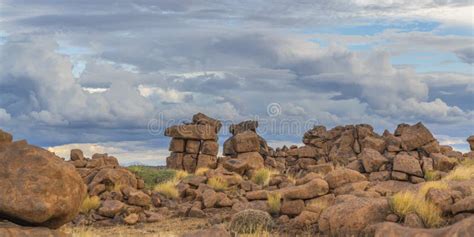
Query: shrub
(250,221)
(201,171)
(432,184)
(262,176)
(217,183)
(274,202)
(152,175)
(168,189)
(461,172)
(403,203)
(89,203)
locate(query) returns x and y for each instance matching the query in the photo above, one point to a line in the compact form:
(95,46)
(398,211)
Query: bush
(262,176)
(152,175)
(217,183)
(89,203)
(168,189)
(403,203)
(250,221)
(201,171)
(274,202)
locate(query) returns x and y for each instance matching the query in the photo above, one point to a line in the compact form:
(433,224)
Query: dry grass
(461,172)
(180,175)
(432,185)
(218,183)
(168,189)
(321,203)
(262,176)
(274,202)
(432,175)
(403,203)
(89,203)
(201,171)
(429,213)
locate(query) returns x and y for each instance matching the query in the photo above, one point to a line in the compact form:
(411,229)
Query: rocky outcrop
(37,188)
(194,145)
(388,229)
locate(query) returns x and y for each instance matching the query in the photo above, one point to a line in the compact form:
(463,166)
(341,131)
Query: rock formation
(194,145)
(37,188)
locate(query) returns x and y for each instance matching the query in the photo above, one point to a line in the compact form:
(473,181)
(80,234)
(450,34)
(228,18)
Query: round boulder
(37,188)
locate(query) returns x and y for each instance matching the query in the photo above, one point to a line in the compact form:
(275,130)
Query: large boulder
(314,188)
(371,160)
(36,187)
(20,231)
(118,177)
(389,229)
(192,131)
(341,176)
(246,142)
(407,164)
(415,136)
(351,217)
(470,140)
(203,119)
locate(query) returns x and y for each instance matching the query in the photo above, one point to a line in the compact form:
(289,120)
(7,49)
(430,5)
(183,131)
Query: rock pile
(410,154)
(37,188)
(121,195)
(245,150)
(194,145)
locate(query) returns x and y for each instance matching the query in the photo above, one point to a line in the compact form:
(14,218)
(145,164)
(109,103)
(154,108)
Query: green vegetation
(153,175)
(250,221)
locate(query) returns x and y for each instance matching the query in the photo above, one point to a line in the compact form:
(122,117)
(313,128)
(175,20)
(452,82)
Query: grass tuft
(461,172)
(262,176)
(201,171)
(89,203)
(403,203)
(168,189)
(218,183)
(432,175)
(274,202)
(180,175)
(429,213)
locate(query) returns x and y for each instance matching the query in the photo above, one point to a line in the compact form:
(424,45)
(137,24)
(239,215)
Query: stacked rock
(246,148)
(194,145)
(409,154)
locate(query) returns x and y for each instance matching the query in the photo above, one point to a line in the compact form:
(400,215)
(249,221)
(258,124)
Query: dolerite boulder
(351,217)
(37,188)
(414,136)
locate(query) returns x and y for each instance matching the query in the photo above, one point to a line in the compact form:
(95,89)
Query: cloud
(466,55)
(102,74)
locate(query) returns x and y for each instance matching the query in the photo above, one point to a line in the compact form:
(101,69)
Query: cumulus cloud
(142,61)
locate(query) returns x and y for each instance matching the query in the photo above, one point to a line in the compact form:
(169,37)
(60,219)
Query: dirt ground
(170,227)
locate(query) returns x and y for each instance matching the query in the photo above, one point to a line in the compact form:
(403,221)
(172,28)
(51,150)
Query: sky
(109,76)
